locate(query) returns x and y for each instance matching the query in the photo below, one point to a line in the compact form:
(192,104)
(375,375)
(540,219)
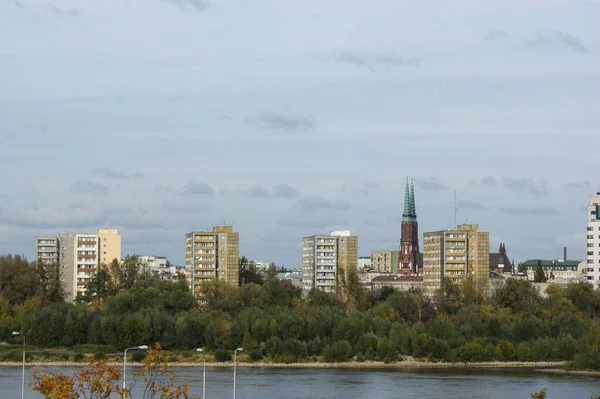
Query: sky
(292,118)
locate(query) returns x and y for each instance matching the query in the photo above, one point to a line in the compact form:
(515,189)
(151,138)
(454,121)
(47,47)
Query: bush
(45,355)
(222,355)
(78,357)
(138,356)
(339,351)
(91,348)
(99,356)
(64,356)
(256,355)
(186,354)
(13,356)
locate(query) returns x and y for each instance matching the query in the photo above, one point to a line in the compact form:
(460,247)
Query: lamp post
(203,372)
(23,376)
(142,347)
(234,367)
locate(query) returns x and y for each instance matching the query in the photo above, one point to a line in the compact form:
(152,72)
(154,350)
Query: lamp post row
(143,347)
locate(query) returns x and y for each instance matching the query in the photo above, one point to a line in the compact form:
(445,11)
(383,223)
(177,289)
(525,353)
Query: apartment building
(211,255)
(593,241)
(110,245)
(46,250)
(325,257)
(385,261)
(78,256)
(454,254)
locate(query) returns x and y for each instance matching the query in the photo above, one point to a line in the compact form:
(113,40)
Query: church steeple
(413,211)
(407,214)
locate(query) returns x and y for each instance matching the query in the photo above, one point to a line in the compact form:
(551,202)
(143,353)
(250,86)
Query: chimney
(565,254)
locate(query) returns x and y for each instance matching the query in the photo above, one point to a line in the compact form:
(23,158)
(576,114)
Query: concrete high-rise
(454,254)
(327,257)
(110,246)
(47,250)
(593,241)
(409,239)
(384,261)
(212,255)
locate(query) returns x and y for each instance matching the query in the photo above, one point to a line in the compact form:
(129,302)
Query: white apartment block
(323,257)
(46,250)
(593,241)
(86,257)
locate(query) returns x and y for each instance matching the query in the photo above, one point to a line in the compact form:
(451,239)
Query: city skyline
(313,115)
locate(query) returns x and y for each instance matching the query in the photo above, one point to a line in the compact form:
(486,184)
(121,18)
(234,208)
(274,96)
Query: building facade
(409,236)
(326,257)
(110,245)
(47,250)
(454,254)
(385,261)
(363,262)
(593,241)
(399,282)
(556,269)
(211,255)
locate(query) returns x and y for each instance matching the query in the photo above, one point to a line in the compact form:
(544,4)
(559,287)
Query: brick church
(410,260)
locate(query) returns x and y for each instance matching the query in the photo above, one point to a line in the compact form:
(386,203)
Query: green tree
(539,275)
(248,272)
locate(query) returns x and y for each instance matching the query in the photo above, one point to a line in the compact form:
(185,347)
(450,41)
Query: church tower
(409,240)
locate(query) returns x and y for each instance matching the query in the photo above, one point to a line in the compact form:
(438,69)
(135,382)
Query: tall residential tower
(593,241)
(409,240)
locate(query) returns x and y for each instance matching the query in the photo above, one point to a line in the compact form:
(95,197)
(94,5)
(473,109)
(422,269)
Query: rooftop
(532,263)
(398,277)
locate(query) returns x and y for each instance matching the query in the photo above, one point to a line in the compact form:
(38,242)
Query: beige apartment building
(211,255)
(454,254)
(325,257)
(384,261)
(46,250)
(79,256)
(110,245)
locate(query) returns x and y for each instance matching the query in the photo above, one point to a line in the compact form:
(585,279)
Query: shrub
(186,354)
(222,355)
(78,357)
(99,356)
(64,356)
(138,356)
(45,355)
(339,351)
(92,348)
(255,355)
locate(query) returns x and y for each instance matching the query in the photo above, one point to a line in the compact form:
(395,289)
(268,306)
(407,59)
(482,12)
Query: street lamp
(234,366)
(203,372)
(142,347)
(23,377)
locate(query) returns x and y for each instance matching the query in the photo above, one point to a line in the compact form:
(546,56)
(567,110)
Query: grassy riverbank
(406,364)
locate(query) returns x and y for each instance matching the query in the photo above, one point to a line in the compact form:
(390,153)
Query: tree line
(272,320)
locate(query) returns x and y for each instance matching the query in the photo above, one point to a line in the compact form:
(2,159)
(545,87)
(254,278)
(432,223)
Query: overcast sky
(293,118)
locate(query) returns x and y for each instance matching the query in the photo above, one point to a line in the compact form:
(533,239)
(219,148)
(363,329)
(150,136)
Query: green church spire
(406,215)
(413,210)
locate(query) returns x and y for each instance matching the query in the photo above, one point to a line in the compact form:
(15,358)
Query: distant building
(261,264)
(384,261)
(364,262)
(325,257)
(159,267)
(366,277)
(294,276)
(399,282)
(454,254)
(593,241)
(500,262)
(110,245)
(211,255)
(47,250)
(409,240)
(557,269)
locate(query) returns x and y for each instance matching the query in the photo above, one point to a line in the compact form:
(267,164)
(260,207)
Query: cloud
(364,60)
(10,133)
(81,207)
(578,184)
(19,4)
(356,191)
(283,119)
(226,117)
(185,208)
(311,204)
(369,185)
(63,11)
(198,5)
(431,184)
(531,186)
(195,187)
(471,205)
(495,34)
(489,181)
(42,218)
(88,187)
(108,173)
(556,40)
(256,192)
(285,190)
(529,211)
(312,223)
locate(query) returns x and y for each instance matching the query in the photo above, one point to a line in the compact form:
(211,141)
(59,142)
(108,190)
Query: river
(262,383)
